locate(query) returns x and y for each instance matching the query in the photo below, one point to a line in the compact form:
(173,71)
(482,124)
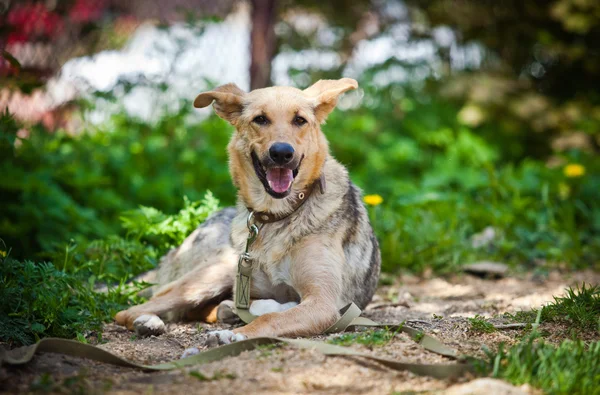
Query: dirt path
(438,306)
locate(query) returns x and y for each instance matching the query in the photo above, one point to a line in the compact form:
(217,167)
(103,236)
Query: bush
(441,182)
(61,300)
(46,301)
(57,187)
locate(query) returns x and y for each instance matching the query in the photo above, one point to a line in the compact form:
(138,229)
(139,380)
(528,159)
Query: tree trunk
(262,41)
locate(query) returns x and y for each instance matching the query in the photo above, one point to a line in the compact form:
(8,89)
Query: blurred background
(474,134)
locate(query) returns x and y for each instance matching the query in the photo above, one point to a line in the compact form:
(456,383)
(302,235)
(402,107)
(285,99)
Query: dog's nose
(281,153)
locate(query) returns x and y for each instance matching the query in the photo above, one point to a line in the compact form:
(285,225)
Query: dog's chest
(269,253)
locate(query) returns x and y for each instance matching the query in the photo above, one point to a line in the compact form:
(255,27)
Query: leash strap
(73,348)
(244,268)
(350,319)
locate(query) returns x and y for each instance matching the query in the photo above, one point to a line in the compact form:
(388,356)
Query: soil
(439,306)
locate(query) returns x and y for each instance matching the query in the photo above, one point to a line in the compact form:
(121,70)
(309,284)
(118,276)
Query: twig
(510,326)
(384,305)
(418,322)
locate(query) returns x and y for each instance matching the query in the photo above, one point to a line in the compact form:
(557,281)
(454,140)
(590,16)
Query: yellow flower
(2,253)
(373,200)
(574,170)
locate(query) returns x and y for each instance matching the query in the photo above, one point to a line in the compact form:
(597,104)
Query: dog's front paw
(225,337)
(148,325)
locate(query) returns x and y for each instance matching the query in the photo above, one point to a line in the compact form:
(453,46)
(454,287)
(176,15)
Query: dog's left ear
(228,101)
(326,93)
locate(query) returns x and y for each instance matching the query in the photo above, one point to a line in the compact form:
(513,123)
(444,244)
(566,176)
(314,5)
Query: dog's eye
(299,121)
(260,120)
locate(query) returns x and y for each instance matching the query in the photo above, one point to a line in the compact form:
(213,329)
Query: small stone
(485,386)
(486,269)
(149,325)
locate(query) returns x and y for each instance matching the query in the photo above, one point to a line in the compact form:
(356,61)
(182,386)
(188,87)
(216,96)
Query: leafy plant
(58,187)
(61,300)
(46,301)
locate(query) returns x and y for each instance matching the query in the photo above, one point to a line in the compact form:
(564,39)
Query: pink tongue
(279,179)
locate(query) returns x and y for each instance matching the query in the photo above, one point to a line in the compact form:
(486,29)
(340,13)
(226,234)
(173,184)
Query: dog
(316,250)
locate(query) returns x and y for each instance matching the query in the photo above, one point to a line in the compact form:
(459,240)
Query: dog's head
(278,146)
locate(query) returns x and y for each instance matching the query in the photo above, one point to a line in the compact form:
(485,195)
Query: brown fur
(324,255)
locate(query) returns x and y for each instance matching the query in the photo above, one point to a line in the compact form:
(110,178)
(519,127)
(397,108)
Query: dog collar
(266,217)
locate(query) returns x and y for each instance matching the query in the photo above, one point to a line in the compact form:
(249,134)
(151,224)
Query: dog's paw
(226,313)
(225,337)
(265,306)
(148,325)
(188,352)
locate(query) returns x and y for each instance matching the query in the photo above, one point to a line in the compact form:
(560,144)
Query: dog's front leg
(316,274)
(311,317)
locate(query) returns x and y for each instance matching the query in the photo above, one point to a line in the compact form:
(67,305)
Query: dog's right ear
(228,101)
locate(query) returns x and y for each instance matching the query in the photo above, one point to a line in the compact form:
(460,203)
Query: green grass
(369,338)
(579,309)
(266,350)
(571,368)
(481,325)
(219,375)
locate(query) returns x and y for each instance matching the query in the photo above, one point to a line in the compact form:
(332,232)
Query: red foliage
(32,21)
(87,10)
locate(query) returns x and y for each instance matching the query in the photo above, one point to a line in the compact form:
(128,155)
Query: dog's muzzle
(277,171)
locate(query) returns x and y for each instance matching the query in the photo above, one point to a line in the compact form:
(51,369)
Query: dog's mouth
(276,180)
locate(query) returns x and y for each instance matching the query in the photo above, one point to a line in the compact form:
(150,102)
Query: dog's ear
(326,93)
(228,101)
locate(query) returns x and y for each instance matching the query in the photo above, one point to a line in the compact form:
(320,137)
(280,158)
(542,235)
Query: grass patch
(267,350)
(369,338)
(580,309)
(481,325)
(219,375)
(571,368)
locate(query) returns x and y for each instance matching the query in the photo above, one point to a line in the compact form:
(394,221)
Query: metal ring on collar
(249,220)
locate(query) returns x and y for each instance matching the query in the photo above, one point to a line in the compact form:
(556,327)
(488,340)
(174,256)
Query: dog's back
(209,241)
